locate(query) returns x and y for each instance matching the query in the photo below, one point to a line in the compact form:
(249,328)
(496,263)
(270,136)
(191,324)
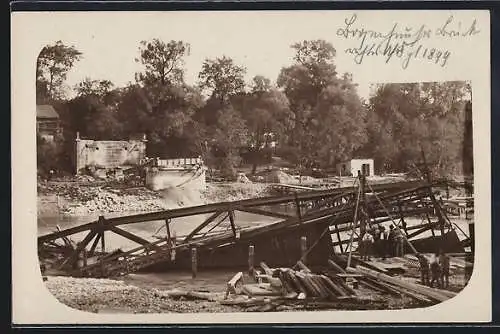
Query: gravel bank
(105,295)
(73,199)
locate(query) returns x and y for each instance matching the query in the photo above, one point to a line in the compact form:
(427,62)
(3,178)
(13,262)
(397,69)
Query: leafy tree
(162,61)
(52,66)
(222,78)
(268,118)
(92,118)
(100,88)
(405,118)
(328,114)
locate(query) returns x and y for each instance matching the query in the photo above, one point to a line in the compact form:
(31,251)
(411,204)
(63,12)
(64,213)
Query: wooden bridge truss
(321,214)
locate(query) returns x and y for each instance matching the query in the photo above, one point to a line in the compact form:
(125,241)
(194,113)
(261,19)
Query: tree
(87,87)
(52,66)
(268,118)
(92,118)
(222,78)
(411,117)
(163,62)
(328,113)
(165,115)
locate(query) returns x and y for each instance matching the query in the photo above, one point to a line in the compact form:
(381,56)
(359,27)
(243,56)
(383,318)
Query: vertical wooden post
(303,248)
(362,221)
(101,222)
(297,207)
(194,262)
(339,238)
(167,224)
(233,226)
(251,256)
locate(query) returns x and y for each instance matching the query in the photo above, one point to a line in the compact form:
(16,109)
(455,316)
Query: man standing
(390,241)
(398,242)
(435,271)
(367,245)
(382,242)
(444,261)
(424,269)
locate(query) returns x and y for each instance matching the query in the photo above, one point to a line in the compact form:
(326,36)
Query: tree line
(312,117)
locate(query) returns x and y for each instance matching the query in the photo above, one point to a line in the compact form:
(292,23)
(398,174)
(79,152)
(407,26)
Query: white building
(351,167)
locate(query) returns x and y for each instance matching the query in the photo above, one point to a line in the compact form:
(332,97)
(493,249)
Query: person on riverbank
(382,240)
(367,246)
(424,269)
(398,243)
(390,241)
(435,271)
(444,261)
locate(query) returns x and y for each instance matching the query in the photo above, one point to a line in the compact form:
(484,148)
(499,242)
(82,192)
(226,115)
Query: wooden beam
(132,237)
(81,245)
(261,212)
(94,244)
(231,220)
(202,225)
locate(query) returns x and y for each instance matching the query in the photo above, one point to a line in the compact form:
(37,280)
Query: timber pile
(357,287)
(287,288)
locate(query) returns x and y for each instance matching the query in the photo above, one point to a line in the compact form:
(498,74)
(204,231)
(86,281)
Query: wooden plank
(420,289)
(333,286)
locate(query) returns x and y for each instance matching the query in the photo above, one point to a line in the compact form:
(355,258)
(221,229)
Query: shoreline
(75,200)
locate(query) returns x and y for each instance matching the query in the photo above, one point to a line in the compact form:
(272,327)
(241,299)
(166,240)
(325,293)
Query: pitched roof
(46,111)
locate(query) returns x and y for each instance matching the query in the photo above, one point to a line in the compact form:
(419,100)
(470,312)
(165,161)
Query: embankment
(73,199)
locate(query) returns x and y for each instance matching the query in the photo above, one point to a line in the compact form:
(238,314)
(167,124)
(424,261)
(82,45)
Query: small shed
(351,167)
(47,121)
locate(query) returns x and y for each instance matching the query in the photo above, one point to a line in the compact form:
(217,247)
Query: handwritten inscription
(403,43)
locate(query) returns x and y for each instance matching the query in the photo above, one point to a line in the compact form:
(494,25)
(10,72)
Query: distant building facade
(47,122)
(108,154)
(351,167)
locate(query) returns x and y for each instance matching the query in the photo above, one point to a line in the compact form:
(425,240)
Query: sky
(261,43)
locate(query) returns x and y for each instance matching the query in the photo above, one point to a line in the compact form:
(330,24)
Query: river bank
(116,296)
(84,199)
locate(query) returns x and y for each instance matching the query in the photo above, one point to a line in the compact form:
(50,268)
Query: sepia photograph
(252,166)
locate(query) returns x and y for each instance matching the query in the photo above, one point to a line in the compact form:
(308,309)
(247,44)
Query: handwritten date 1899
(402,50)
(401,42)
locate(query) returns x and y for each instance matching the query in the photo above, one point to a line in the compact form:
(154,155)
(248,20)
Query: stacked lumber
(287,286)
(393,285)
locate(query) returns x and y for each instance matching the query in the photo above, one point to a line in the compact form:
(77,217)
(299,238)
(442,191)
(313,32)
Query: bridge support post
(194,262)
(303,248)
(251,256)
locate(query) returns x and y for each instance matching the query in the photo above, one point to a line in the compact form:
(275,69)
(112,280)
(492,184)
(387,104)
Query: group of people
(438,268)
(380,243)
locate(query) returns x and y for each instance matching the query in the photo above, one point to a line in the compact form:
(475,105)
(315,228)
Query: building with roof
(47,122)
(353,166)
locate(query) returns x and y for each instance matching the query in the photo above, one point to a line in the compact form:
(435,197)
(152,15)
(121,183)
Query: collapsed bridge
(309,224)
